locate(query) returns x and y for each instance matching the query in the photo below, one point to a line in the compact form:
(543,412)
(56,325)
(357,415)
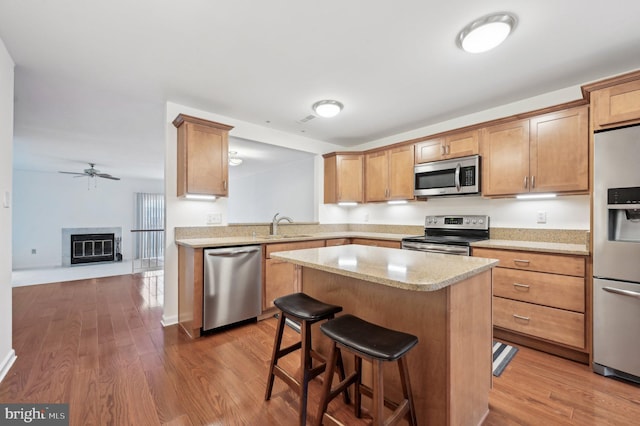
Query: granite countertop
(404,269)
(538,246)
(284,238)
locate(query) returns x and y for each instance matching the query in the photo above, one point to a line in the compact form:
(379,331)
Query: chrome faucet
(276,220)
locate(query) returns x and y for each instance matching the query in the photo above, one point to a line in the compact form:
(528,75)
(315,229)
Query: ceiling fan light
(486,33)
(327,108)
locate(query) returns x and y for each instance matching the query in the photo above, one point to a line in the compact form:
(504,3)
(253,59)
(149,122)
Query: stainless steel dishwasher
(232,285)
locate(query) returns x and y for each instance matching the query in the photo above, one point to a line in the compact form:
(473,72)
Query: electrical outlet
(366,217)
(214,218)
(542,217)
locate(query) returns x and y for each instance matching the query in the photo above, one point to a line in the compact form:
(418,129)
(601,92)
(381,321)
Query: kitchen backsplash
(570,236)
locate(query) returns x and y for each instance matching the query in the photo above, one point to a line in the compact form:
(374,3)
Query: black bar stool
(377,345)
(303,310)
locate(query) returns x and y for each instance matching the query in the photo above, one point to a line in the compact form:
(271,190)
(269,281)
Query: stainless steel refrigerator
(616,253)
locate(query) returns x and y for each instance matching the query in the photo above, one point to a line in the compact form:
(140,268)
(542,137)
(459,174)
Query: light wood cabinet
(616,106)
(343,178)
(203,153)
(280,277)
(540,295)
(337,242)
(452,146)
(389,174)
(376,243)
(548,153)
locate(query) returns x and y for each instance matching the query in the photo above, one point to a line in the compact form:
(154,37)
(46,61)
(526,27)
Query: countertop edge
(249,240)
(412,286)
(535,246)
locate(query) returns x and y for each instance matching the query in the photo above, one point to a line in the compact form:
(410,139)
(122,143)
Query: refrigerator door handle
(621,292)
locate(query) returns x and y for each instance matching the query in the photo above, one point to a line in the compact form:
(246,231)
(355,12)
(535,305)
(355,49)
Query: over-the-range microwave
(456,176)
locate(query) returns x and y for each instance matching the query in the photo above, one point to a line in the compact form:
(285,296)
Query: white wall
(45,202)
(289,194)
(7,354)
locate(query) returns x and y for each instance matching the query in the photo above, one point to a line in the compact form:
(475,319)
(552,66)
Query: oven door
(436,248)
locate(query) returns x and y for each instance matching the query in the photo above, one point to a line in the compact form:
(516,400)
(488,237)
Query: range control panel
(457,222)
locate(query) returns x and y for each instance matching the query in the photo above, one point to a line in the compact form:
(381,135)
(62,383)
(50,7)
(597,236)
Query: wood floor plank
(98,344)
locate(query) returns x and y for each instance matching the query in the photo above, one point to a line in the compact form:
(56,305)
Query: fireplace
(89,248)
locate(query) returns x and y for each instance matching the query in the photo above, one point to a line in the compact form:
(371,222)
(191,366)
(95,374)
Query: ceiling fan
(92,172)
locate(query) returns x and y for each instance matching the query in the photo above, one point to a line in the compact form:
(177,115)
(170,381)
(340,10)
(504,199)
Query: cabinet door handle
(521,285)
(526,182)
(443,149)
(520,317)
(533,181)
(448,150)
(224,184)
(521,261)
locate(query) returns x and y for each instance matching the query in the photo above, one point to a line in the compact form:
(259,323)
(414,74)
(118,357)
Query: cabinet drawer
(540,262)
(299,245)
(558,291)
(547,323)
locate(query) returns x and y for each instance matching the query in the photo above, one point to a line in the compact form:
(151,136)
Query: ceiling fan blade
(74,173)
(107,176)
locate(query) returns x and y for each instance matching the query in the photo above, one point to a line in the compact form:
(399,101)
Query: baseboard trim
(169,320)
(6,364)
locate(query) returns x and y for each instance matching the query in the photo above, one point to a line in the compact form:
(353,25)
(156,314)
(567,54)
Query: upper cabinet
(547,153)
(203,150)
(343,177)
(616,106)
(389,174)
(450,146)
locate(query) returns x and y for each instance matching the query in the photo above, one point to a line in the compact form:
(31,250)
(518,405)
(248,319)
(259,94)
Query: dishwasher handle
(229,253)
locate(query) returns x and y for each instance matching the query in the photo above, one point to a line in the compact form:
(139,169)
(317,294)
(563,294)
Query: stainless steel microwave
(457,176)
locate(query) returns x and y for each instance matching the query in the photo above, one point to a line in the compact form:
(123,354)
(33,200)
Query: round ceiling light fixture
(486,33)
(327,108)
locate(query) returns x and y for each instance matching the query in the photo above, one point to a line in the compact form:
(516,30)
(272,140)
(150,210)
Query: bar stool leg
(377,410)
(274,356)
(305,337)
(326,386)
(358,395)
(406,390)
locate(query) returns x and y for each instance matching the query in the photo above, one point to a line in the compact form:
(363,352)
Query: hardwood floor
(98,345)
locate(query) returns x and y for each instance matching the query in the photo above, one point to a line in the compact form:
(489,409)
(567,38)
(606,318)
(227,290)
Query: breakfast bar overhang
(444,300)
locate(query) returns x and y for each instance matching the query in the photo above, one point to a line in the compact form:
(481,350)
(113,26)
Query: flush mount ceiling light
(233,159)
(486,33)
(327,108)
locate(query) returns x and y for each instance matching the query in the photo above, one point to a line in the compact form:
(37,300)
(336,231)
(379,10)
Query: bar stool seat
(375,344)
(305,311)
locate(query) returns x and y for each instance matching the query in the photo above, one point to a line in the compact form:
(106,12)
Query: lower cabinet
(540,297)
(280,277)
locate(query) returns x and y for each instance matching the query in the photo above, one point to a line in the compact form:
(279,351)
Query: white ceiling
(92,78)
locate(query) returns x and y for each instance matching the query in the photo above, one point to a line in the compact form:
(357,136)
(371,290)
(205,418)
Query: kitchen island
(444,300)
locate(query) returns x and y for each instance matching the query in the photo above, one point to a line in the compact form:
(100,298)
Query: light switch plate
(214,218)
